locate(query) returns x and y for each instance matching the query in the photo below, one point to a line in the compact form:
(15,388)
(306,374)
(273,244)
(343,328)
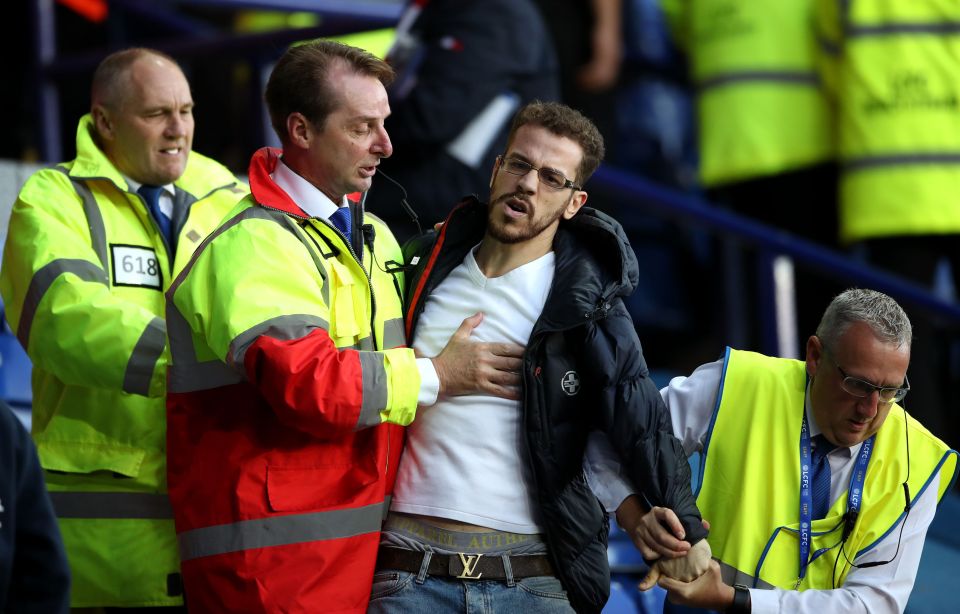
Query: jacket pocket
(299,489)
(84,458)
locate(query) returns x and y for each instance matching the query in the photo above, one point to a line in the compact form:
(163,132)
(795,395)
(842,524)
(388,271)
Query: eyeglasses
(860,388)
(552,178)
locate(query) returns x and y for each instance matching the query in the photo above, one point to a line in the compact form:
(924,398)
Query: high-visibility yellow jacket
(894,69)
(84,271)
(753,65)
(288,379)
(751,478)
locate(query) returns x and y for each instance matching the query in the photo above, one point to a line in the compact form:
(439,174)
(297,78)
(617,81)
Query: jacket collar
(263,188)
(91,161)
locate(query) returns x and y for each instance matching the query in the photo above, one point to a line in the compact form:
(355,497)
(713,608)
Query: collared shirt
(313,202)
(166,197)
(691,401)
(316,204)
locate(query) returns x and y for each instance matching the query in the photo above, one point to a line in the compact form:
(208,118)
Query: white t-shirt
(466,457)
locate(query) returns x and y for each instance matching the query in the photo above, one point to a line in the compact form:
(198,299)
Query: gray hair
(881,313)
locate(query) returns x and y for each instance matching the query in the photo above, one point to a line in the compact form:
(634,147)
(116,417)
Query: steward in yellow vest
(753,66)
(813,476)
(751,479)
(765,134)
(84,271)
(894,71)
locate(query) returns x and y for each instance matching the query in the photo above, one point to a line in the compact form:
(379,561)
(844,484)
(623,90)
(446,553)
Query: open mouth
(515,206)
(171,151)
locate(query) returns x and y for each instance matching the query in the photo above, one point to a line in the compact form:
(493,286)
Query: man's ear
(578,200)
(299,130)
(814,354)
(102,122)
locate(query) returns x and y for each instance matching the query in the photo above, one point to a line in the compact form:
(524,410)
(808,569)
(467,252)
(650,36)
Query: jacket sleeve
(637,422)
(59,303)
(39,579)
(257,299)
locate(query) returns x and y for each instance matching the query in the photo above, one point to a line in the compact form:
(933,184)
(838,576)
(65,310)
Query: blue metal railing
(645,197)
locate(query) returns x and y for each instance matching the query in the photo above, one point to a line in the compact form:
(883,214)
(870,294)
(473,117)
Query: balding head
(143,114)
(111,78)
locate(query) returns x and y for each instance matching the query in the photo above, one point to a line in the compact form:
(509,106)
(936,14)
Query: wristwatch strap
(741,600)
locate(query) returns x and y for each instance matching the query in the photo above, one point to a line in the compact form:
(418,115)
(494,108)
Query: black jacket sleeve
(637,422)
(34,576)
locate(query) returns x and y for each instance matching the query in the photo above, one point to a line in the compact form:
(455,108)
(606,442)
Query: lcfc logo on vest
(570,383)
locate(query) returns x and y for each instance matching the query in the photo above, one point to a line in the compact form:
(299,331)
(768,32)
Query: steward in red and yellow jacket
(288,370)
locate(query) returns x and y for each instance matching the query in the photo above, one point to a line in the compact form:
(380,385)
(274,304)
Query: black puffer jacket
(583,370)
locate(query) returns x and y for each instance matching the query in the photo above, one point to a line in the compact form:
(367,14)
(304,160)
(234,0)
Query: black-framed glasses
(550,177)
(859,388)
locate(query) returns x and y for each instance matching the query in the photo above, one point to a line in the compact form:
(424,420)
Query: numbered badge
(135,266)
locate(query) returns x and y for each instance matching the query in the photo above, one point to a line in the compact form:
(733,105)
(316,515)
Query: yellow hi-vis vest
(897,82)
(760,106)
(84,271)
(751,478)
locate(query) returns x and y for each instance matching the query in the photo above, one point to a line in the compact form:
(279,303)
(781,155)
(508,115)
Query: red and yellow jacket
(287,380)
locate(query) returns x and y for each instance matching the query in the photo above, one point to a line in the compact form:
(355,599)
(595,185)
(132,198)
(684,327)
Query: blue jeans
(403,592)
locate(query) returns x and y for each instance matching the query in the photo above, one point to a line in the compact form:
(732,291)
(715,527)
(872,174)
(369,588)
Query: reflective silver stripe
(41,282)
(143,360)
(868,162)
(112,505)
(285,328)
(732,575)
(98,235)
(374,389)
(393,334)
(200,376)
(279,531)
(182,351)
(760,76)
(364,345)
(885,29)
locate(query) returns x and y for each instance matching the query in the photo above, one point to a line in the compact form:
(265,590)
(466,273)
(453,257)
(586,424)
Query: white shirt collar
(135,185)
(313,202)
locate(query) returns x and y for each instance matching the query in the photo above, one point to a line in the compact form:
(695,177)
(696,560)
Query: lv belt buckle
(469,565)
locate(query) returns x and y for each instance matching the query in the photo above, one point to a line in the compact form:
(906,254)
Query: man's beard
(517,231)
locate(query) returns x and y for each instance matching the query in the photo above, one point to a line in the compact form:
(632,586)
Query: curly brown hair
(563,121)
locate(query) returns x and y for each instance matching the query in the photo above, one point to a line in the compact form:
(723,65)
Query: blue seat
(621,600)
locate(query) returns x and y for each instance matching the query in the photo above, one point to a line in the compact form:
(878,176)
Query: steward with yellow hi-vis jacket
(893,71)
(753,67)
(84,270)
(765,134)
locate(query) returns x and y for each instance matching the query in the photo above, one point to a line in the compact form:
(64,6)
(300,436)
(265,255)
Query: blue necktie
(821,476)
(151,196)
(341,219)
